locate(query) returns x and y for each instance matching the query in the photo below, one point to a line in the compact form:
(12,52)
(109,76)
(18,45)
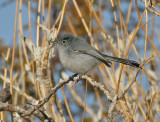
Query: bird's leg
(71,77)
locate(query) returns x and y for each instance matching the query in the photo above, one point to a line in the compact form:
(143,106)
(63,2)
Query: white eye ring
(63,41)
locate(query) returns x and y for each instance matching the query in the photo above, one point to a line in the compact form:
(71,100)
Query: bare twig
(22,109)
(144,62)
(41,103)
(111,116)
(75,79)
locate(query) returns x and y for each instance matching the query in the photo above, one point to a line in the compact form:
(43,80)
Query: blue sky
(7,14)
(7,22)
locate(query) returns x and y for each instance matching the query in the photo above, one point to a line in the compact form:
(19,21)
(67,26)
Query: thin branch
(144,62)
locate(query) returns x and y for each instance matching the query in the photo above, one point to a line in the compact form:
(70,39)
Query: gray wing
(91,51)
(81,46)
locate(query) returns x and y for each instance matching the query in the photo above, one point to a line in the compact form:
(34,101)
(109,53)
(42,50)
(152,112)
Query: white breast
(76,62)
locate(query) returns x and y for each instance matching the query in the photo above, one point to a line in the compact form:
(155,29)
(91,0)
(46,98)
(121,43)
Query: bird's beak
(54,44)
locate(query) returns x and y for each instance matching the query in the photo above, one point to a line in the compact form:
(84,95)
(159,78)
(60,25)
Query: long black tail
(123,61)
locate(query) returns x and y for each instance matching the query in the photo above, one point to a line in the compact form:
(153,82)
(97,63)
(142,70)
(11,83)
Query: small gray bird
(79,57)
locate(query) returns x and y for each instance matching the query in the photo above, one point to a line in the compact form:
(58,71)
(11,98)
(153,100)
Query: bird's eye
(63,41)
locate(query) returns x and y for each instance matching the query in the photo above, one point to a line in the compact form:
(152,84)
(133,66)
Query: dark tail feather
(123,61)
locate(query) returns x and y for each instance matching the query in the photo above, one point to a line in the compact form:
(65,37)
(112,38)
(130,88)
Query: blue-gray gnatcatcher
(79,57)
